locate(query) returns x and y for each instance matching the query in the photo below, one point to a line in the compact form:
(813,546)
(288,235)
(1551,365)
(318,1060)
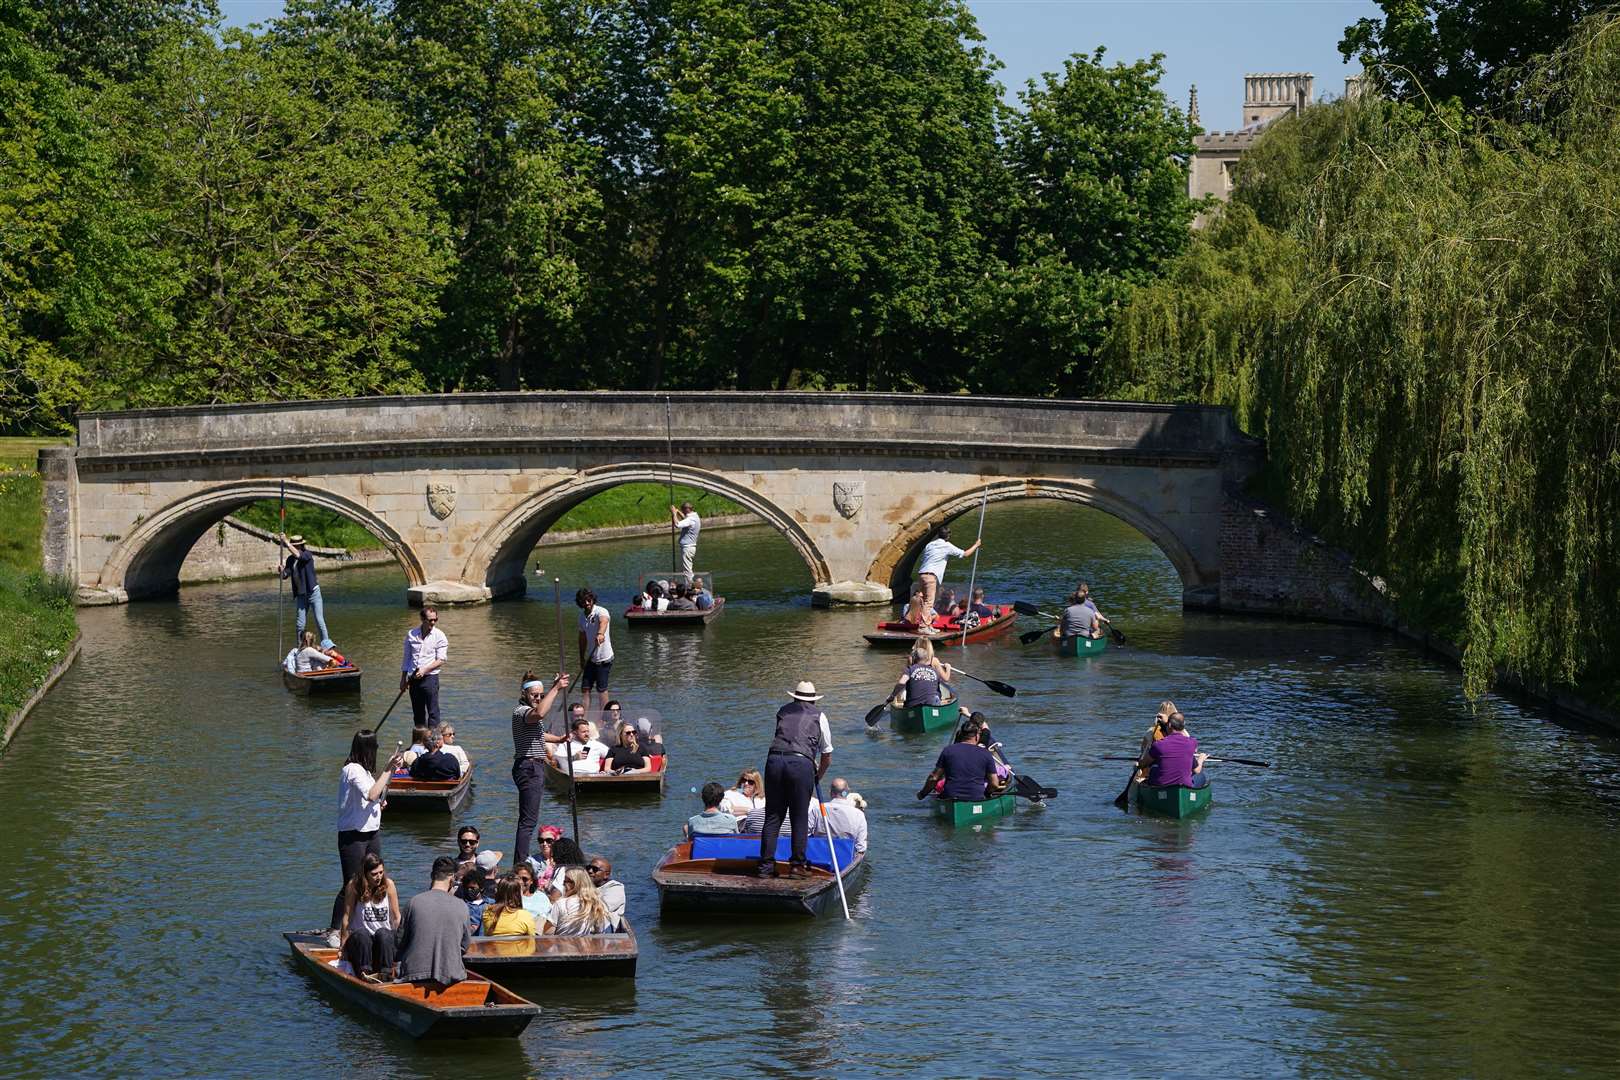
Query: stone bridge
(460,487)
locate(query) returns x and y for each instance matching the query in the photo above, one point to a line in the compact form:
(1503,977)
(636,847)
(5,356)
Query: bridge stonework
(460,487)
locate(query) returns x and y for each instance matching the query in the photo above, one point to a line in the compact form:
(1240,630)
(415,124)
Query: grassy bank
(628,504)
(39,625)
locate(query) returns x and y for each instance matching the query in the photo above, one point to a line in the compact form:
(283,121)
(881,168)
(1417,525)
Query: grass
(39,626)
(627,504)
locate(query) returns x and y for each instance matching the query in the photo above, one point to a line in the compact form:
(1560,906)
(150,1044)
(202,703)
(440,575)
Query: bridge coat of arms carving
(441,499)
(848,496)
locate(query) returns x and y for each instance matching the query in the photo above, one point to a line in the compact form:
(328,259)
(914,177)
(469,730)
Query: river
(1418,887)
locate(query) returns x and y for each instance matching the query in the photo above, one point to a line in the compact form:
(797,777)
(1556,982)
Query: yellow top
(516,921)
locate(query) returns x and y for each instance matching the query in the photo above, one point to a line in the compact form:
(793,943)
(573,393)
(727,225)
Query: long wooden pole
(281,577)
(832,851)
(669,441)
(562,665)
(973,575)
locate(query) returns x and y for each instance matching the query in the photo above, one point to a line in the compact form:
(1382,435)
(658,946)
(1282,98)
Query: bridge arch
(499,557)
(895,559)
(147,560)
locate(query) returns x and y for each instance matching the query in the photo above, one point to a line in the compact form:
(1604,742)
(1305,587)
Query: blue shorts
(595,675)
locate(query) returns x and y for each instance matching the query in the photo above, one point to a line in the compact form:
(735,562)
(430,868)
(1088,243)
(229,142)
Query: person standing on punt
(426,648)
(798,758)
(595,648)
(360,802)
(931,570)
(300,567)
(687,520)
(434,931)
(529,738)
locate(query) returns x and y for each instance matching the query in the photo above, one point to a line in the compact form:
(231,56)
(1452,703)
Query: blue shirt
(711,822)
(967,767)
(922,685)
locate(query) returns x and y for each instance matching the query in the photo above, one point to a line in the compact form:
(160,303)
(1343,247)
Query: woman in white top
(370,918)
(749,793)
(309,657)
(360,800)
(581,910)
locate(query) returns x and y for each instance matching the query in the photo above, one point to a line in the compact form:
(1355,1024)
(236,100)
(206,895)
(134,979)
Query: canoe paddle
(998,687)
(1033,636)
(1023,785)
(876,713)
(1030,609)
(1222,760)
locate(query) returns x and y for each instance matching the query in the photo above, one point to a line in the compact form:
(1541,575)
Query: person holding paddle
(1081,618)
(1175,761)
(926,680)
(529,739)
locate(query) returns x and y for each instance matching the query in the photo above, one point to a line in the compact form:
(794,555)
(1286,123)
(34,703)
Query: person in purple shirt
(1174,760)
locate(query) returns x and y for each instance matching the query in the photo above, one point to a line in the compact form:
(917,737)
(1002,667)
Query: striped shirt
(528,740)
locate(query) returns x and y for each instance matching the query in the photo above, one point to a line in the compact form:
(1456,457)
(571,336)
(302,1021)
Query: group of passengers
(741,810)
(1170,756)
(559,891)
(971,768)
(434,754)
(950,614)
(676,595)
(1081,617)
(630,747)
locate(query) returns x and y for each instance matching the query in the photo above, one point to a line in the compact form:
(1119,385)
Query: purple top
(1172,758)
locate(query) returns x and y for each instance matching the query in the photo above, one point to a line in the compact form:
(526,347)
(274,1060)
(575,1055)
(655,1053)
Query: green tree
(293,240)
(112,38)
(1474,51)
(1097,159)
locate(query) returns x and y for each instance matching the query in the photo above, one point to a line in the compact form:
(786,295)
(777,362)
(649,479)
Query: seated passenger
(435,764)
(978,607)
(309,658)
(471,890)
(576,713)
(682,600)
(968,769)
(448,730)
(947,606)
(1080,618)
(918,614)
(507,914)
(586,752)
(611,891)
(713,820)
(740,801)
(1175,759)
(535,900)
(846,815)
(924,679)
(628,757)
(580,911)
(432,932)
(701,596)
(419,738)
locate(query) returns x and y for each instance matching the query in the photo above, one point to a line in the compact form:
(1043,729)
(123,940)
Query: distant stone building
(1266,98)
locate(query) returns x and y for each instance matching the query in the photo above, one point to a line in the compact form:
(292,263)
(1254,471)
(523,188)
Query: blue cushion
(747,847)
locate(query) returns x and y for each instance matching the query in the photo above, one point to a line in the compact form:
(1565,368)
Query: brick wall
(1271,566)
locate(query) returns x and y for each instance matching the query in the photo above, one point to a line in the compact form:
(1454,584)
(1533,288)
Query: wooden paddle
(281,575)
(998,687)
(1030,609)
(1023,785)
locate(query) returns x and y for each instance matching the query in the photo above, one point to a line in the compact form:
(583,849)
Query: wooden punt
(443,796)
(637,617)
(605,783)
(338,680)
(921,718)
(728,887)
(1082,646)
(894,635)
(475,1008)
(1173,801)
(554,956)
(966,812)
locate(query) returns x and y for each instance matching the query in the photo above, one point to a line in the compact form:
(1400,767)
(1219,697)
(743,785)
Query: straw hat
(805,691)
(295,540)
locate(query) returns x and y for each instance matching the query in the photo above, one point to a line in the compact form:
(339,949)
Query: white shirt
(603,653)
(846,819)
(934,555)
(421,651)
(355,812)
(612,894)
(591,762)
(689,526)
(460,755)
(737,804)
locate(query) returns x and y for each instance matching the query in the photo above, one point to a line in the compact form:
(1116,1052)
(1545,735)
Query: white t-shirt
(355,812)
(591,762)
(689,526)
(934,555)
(603,653)
(737,804)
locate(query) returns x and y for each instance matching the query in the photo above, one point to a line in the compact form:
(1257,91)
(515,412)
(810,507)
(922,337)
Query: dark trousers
(353,847)
(425,700)
(369,951)
(529,774)
(790,780)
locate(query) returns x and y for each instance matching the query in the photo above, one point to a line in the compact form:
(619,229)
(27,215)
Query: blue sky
(1208,42)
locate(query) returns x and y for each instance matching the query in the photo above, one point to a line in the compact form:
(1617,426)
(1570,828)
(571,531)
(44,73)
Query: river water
(1417,888)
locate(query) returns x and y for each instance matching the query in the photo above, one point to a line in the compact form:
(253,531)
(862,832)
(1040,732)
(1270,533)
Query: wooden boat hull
(1080,647)
(729,887)
(888,637)
(338,681)
(441,796)
(922,718)
(600,783)
(553,956)
(967,812)
(474,1009)
(675,619)
(1173,801)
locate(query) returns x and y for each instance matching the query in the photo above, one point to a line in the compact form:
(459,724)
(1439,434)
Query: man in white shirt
(426,648)
(585,751)
(611,891)
(687,521)
(931,565)
(595,648)
(844,817)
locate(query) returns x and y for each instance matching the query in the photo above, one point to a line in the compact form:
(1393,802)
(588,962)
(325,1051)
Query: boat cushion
(706,846)
(656,761)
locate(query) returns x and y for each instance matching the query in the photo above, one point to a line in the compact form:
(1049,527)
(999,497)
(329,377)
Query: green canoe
(1082,646)
(963,812)
(921,718)
(1173,802)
